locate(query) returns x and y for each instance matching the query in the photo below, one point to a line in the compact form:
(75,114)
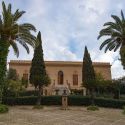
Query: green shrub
(93,108)
(28,93)
(76,92)
(124,110)
(38,107)
(3,108)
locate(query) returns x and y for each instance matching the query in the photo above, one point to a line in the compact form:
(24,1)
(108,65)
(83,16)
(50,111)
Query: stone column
(64,101)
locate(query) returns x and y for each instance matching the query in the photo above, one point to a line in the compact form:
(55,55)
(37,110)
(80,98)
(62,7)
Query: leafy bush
(29,93)
(76,92)
(38,107)
(12,88)
(10,93)
(92,108)
(3,108)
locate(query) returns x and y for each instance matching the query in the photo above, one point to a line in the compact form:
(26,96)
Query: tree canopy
(114,32)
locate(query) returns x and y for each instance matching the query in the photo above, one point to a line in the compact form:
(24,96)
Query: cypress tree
(88,74)
(38,75)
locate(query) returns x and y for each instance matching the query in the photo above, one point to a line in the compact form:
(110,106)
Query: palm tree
(11,33)
(115,32)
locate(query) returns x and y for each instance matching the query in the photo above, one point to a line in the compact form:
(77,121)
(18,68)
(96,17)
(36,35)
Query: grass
(38,107)
(93,108)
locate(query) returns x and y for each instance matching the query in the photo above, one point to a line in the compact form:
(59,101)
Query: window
(75,79)
(60,77)
(25,76)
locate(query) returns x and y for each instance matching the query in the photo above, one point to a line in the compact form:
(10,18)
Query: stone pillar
(84,91)
(64,101)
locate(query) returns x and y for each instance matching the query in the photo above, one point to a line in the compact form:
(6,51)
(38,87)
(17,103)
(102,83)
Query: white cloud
(68,25)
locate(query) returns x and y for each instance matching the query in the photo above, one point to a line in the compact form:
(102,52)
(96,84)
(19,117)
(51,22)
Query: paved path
(25,115)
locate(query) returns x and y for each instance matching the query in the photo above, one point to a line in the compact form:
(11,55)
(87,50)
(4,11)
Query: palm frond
(109,45)
(9,8)
(109,24)
(27,35)
(4,7)
(117,19)
(13,31)
(116,34)
(1,23)
(27,26)
(112,47)
(122,15)
(4,13)
(117,46)
(105,42)
(27,40)
(113,25)
(106,30)
(15,48)
(17,15)
(23,43)
(108,33)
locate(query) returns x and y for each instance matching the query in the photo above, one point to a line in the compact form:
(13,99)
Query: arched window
(75,79)
(60,77)
(25,75)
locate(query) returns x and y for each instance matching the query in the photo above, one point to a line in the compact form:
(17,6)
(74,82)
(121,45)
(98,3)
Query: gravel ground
(25,115)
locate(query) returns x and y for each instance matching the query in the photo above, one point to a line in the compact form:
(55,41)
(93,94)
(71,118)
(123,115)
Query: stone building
(63,74)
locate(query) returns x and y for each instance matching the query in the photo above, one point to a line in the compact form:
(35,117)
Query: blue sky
(67,26)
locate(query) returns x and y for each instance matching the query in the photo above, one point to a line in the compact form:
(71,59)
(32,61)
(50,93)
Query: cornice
(57,63)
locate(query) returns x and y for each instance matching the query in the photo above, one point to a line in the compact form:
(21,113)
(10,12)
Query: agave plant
(115,32)
(11,33)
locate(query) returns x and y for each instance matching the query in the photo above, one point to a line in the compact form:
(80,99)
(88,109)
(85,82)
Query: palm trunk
(39,96)
(3,65)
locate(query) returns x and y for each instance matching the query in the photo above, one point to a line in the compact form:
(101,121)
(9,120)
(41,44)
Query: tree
(24,82)
(116,36)
(38,75)
(12,74)
(88,74)
(13,83)
(11,33)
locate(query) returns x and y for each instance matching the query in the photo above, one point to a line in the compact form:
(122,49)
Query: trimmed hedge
(72,100)
(79,100)
(112,103)
(31,100)
(9,93)
(28,93)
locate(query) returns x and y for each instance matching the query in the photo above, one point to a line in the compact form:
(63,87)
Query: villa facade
(64,74)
